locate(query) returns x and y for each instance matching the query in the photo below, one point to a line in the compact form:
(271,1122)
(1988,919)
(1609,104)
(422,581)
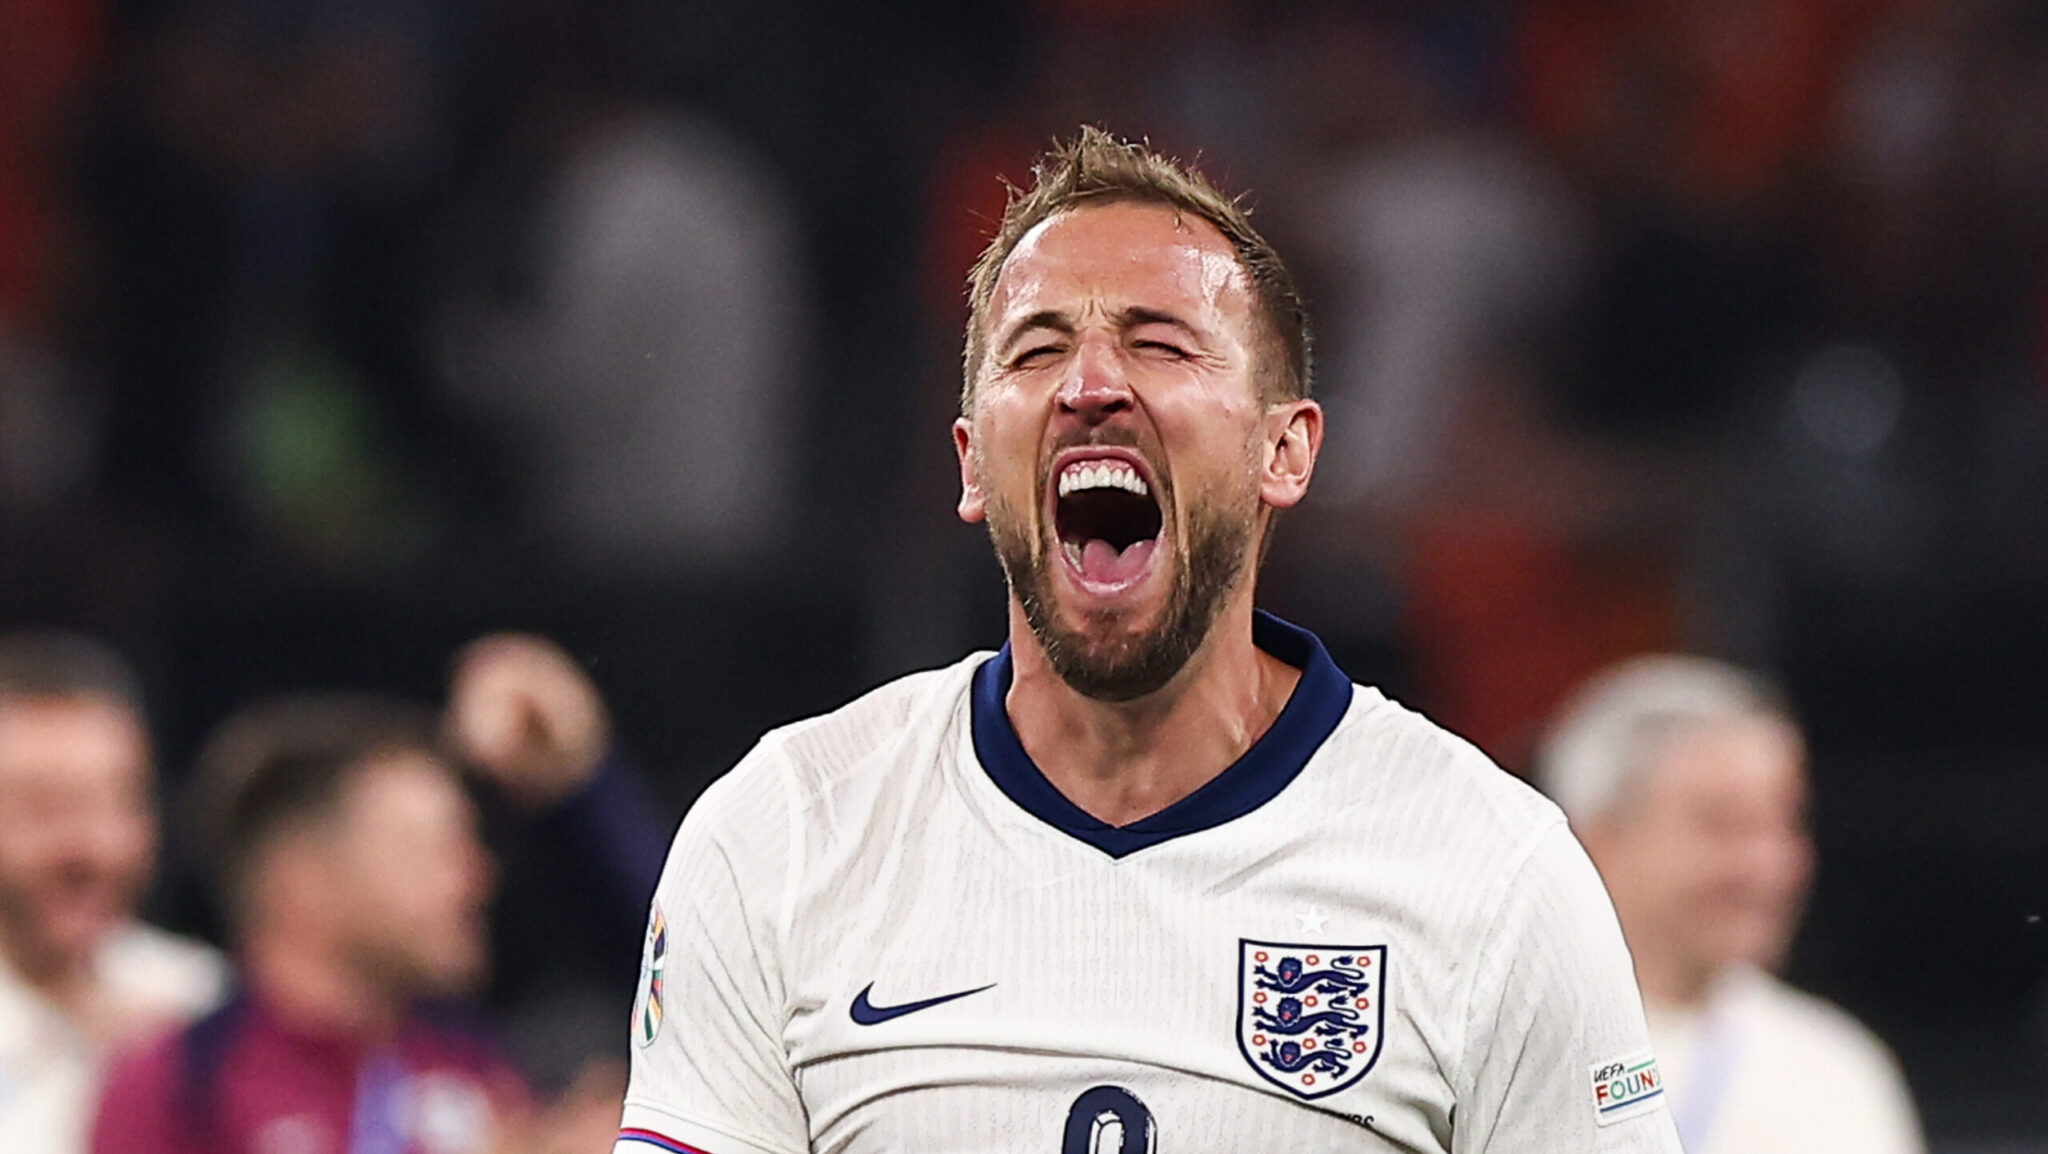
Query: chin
(1108,635)
(1129,645)
(79,931)
(468,971)
(451,973)
(1121,662)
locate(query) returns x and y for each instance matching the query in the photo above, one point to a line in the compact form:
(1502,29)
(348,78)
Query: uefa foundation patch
(1627,1088)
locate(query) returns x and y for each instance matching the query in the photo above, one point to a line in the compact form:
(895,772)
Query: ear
(1293,437)
(973,505)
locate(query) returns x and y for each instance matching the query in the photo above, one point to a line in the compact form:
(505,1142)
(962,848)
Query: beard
(1208,565)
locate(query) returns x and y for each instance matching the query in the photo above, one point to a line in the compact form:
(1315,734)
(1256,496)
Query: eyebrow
(1042,319)
(1062,324)
(1137,315)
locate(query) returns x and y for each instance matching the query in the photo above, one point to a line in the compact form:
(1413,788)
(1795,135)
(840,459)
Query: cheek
(23,845)
(447,879)
(1011,479)
(1670,868)
(391,874)
(131,838)
(1784,865)
(1227,450)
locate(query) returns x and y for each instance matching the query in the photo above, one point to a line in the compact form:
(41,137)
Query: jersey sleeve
(1556,1057)
(710,1073)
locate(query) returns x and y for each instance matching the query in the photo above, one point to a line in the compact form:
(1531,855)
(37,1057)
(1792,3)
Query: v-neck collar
(1312,712)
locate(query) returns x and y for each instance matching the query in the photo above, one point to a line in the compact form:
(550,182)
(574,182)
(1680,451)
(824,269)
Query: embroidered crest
(1309,1018)
(647,1009)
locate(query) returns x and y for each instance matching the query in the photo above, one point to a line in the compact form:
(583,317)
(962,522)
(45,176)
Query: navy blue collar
(1312,712)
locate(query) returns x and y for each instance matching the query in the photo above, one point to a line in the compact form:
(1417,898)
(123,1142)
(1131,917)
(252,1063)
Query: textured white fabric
(1768,1069)
(870,848)
(50,1071)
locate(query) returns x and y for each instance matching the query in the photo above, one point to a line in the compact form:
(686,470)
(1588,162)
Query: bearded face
(1119,443)
(77,827)
(1106,652)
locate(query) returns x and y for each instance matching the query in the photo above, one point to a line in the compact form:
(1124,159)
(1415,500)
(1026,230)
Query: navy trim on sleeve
(1311,714)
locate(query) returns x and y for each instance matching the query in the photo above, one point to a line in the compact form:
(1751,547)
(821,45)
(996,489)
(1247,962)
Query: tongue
(1102,564)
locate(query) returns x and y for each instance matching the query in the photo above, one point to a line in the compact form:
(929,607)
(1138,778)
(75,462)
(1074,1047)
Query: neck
(310,985)
(1124,761)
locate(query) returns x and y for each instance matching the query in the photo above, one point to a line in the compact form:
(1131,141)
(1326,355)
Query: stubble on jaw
(1209,562)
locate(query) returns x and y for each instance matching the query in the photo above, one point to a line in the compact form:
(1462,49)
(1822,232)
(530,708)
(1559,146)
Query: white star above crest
(1312,919)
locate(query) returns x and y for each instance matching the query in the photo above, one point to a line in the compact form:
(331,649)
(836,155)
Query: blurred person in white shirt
(1685,779)
(80,974)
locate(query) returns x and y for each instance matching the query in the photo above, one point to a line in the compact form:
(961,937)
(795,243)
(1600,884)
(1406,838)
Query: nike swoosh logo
(866,1013)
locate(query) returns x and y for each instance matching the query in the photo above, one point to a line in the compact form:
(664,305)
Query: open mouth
(1108,520)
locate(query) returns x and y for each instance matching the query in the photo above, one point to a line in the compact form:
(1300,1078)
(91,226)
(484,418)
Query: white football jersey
(885,931)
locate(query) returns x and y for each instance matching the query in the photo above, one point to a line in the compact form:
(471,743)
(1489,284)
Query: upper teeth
(1102,475)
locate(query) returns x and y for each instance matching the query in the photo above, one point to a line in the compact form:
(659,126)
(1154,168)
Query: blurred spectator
(348,858)
(351,866)
(647,372)
(1686,780)
(79,975)
(582,854)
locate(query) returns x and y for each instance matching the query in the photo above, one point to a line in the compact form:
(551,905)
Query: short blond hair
(1096,168)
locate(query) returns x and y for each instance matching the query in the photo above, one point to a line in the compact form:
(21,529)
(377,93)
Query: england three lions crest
(1310,1018)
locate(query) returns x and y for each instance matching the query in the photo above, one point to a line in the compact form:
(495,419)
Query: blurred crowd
(335,335)
(344,838)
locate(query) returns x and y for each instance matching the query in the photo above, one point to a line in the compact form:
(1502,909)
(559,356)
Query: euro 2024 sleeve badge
(653,959)
(1310,1018)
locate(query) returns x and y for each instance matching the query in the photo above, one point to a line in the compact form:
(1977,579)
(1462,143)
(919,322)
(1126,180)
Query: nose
(1095,388)
(105,836)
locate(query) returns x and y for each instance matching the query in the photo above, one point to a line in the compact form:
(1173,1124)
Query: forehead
(1122,255)
(61,736)
(404,786)
(1751,759)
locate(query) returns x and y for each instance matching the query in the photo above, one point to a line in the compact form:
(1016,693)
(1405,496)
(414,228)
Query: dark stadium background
(1765,374)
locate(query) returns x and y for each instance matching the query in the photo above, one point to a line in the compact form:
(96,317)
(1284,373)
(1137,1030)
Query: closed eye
(1037,354)
(1166,347)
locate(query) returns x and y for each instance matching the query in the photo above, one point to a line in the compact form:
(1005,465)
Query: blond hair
(1096,168)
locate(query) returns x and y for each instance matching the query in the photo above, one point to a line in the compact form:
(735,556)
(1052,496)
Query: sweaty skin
(1129,329)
